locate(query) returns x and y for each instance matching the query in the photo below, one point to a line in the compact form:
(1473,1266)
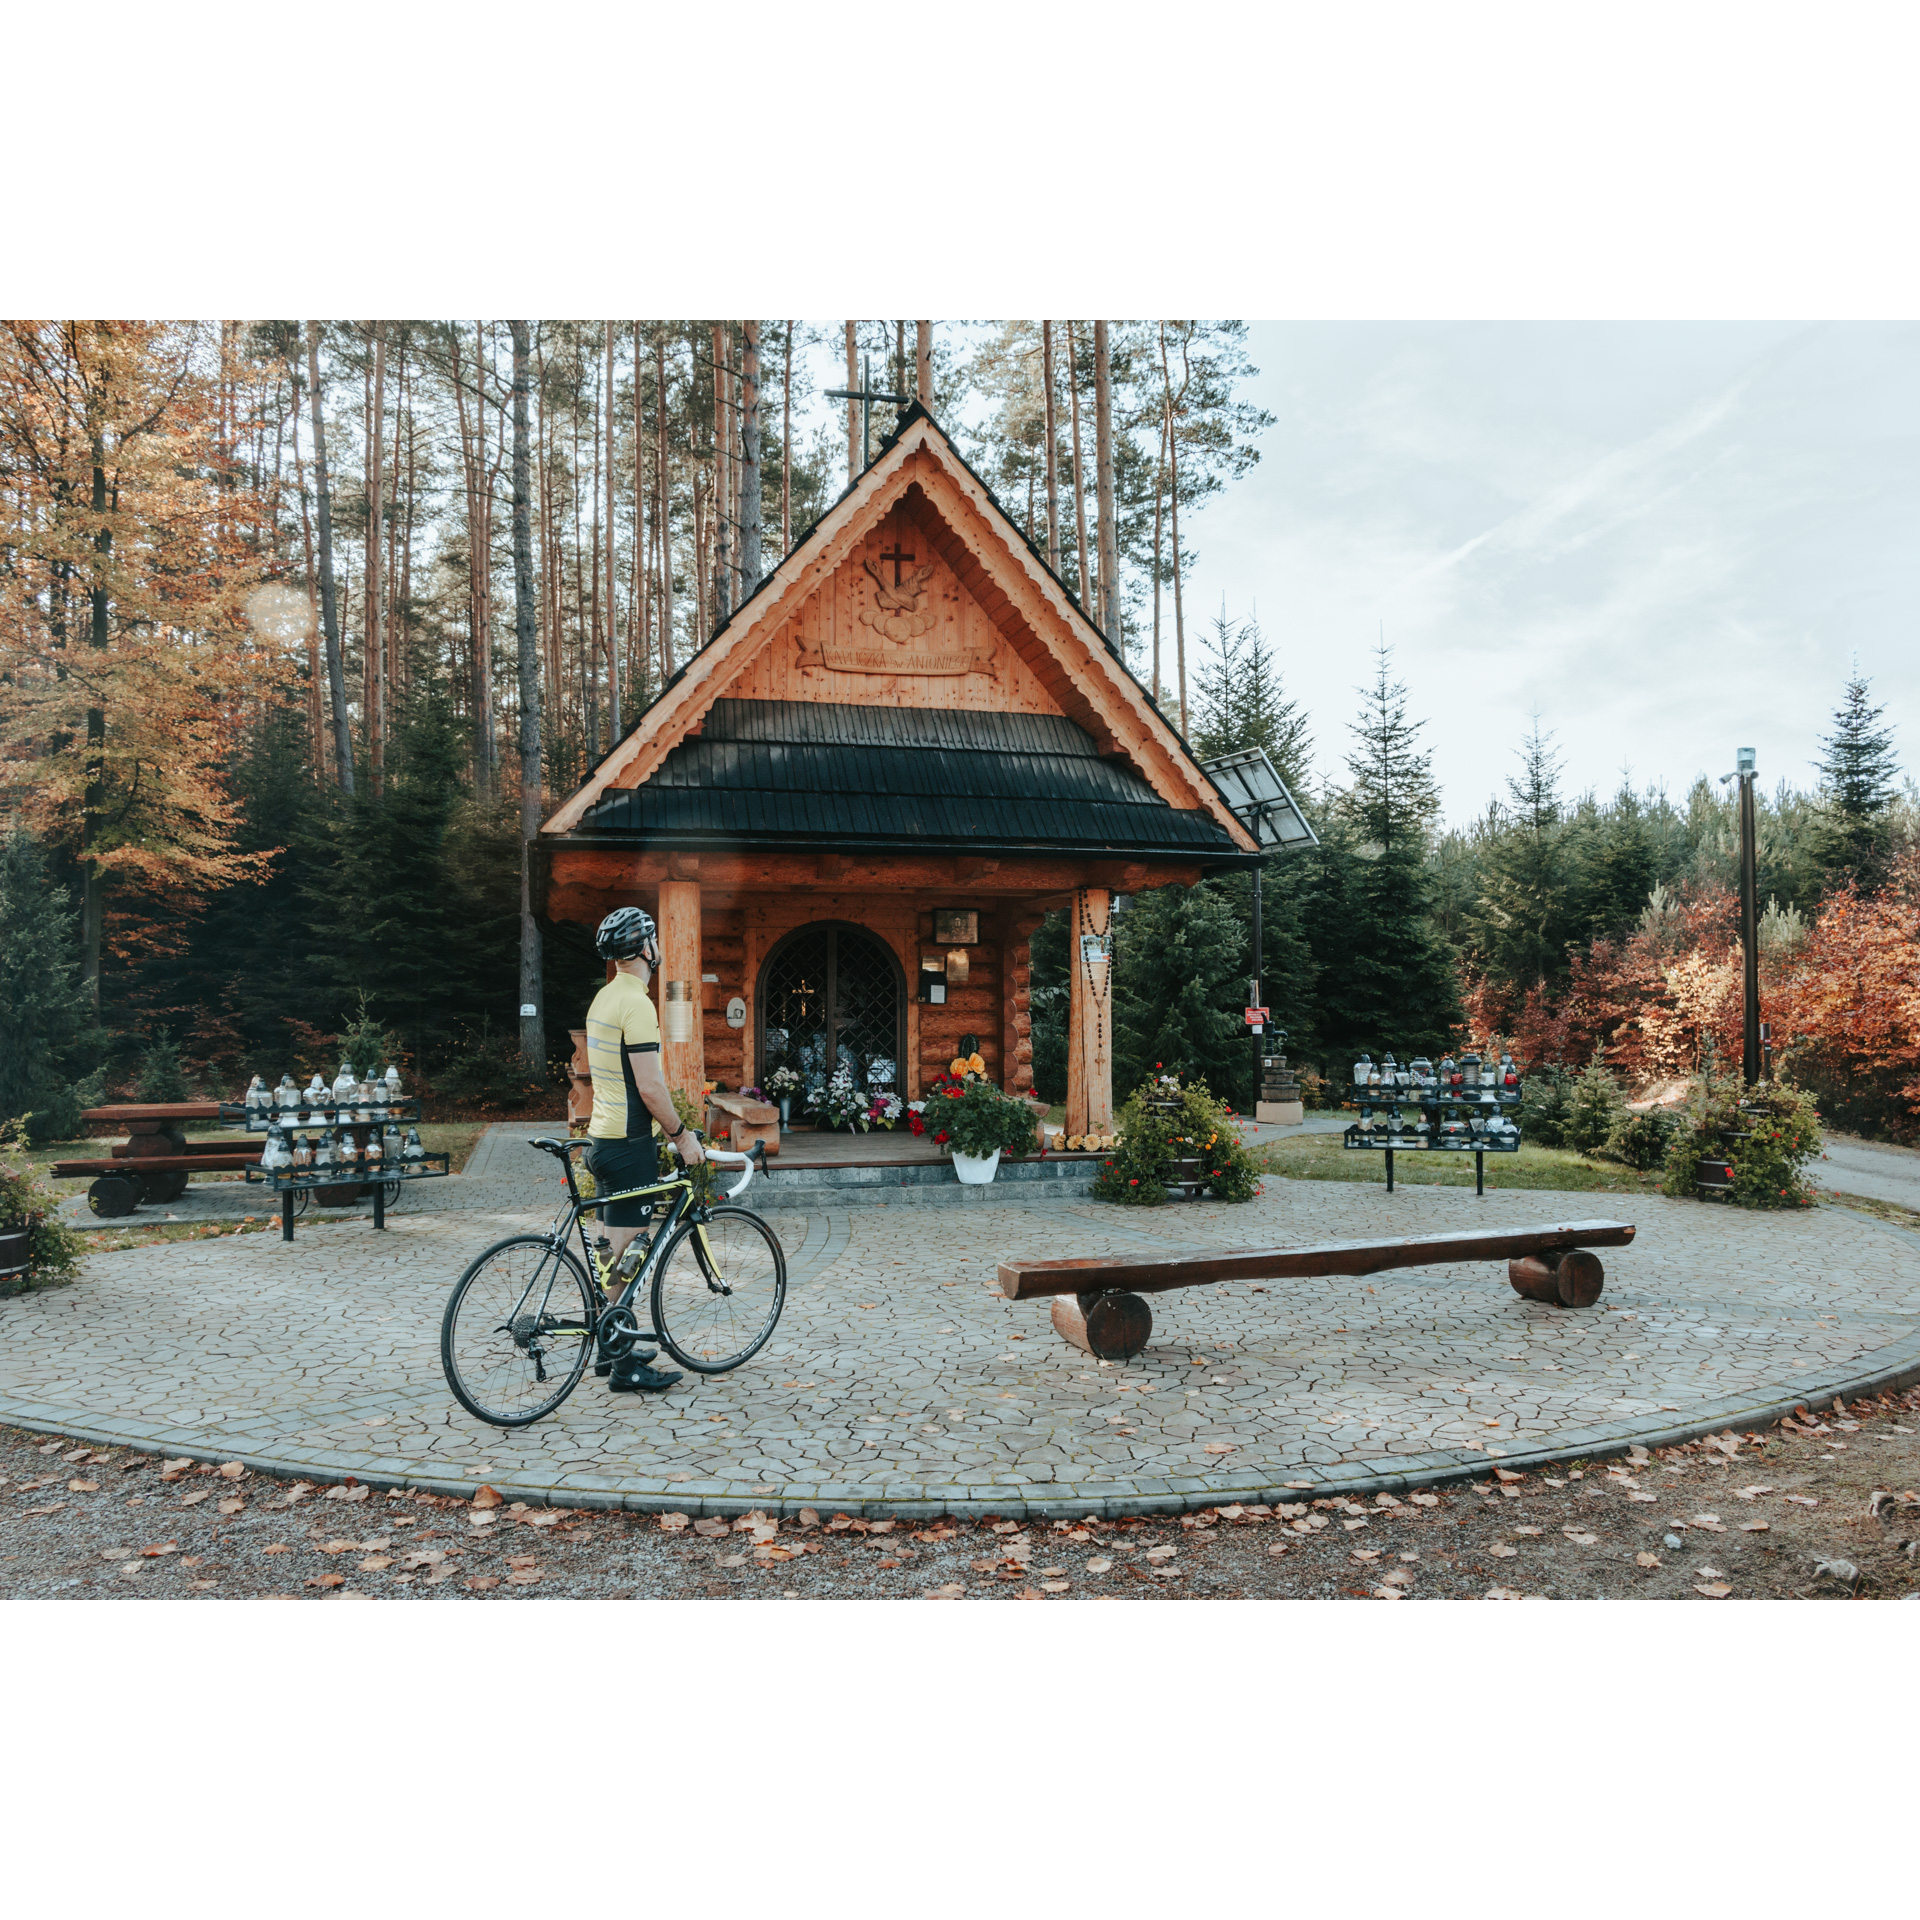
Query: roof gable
(915,589)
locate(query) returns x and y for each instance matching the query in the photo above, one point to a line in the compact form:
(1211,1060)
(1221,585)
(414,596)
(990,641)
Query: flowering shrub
(28,1196)
(1766,1133)
(1154,1135)
(982,1121)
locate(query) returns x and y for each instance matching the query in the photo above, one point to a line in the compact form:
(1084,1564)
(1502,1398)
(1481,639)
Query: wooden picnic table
(155,1160)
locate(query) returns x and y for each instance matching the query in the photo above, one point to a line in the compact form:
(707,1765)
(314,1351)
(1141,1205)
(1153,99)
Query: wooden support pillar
(1089,1014)
(685,1061)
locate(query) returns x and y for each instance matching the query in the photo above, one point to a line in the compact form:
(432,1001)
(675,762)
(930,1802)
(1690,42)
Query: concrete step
(921,1183)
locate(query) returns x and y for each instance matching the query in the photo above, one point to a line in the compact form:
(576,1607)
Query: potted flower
(981,1123)
(782,1084)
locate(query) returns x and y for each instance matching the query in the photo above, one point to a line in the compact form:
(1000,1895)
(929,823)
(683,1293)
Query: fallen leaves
(1504,1593)
(344,1492)
(235,1505)
(673,1523)
(1219,1446)
(1756,1526)
(1055,1586)
(83,1486)
(1712,1589)
(159,1549)
(1803,1500)
(1530,1531)
(1646,1560)
(233,1470)
(376,1563)
(1100,1566)
(1158,1556)
(1424,1499)
(951,1591)
(1708,1523)
(279,1546)
(194,1498)
(487,1497)
(328,1580)
(709,1529)
(1503,1553)
(1580,1539)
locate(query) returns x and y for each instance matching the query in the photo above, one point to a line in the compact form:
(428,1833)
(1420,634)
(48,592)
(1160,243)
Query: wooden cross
(896,556)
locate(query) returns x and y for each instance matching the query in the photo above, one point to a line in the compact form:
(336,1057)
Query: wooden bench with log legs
(1097,1304)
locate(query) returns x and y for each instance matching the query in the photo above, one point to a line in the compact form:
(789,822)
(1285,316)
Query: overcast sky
(1669,538)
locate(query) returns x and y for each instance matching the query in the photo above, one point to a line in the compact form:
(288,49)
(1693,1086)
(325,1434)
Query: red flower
(1133,1183)
(940,1138)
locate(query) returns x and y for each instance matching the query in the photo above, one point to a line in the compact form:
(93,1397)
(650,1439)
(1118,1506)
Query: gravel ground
(1753,1515)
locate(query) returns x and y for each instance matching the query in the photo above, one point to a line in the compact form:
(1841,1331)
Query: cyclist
(629,1094)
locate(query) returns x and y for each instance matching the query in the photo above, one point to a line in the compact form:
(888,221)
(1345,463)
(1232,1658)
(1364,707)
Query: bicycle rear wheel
(718,1293)
(518,1331)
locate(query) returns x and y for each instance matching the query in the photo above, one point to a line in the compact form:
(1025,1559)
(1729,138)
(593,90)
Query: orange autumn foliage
(118,497)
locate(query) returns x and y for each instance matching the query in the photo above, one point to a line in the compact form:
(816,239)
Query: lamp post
(1249,784)
(1744,772)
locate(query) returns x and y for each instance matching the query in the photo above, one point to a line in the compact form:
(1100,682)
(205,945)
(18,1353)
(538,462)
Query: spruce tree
(48,1036)
(1239,703)
(1180,966)
(1857,773)
(1393,796)
(1525,924)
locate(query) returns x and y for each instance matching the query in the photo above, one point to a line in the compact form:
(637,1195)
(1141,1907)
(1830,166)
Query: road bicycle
(527,1316)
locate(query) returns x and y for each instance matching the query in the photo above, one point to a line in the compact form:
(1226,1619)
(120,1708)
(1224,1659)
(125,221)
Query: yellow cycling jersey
(620,1023)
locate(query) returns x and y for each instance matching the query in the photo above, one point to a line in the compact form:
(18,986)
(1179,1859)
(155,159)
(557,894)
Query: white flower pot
(976,1173)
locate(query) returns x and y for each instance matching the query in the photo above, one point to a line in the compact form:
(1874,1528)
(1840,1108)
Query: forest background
(279,699)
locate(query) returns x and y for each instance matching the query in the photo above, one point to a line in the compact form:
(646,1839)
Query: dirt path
(1752,1514)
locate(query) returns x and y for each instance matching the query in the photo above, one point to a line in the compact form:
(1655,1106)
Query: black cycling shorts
(616,1164)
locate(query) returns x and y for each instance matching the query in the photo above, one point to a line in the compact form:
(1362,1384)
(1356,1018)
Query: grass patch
(1889,1211)
(1321,1156)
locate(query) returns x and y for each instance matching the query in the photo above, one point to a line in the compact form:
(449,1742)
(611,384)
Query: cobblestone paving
(900,1379)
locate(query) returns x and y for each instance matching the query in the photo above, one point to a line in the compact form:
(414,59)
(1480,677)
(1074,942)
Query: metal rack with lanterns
(1464,1106)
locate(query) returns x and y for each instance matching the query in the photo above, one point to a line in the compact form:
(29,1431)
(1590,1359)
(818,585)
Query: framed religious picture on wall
(956,926)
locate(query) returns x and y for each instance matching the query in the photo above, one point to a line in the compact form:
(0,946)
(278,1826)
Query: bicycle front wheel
(518,1331)
(718,1293)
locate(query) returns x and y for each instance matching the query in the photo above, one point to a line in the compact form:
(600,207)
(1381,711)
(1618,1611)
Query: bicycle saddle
(559,1148)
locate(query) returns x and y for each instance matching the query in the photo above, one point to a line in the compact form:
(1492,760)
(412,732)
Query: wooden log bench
(743,1124)
(1097,1304)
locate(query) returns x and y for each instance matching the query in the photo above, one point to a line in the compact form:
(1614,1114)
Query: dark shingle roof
(790,772)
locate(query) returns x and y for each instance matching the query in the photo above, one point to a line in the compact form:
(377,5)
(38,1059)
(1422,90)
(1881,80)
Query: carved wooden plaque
(898,626)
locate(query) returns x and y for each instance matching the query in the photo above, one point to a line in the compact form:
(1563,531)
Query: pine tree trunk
(661,516)
(749,456)
(853,410)
(329,605)
(1109,534)
(1089,588)
(93,881)
(316,717)
(375,642)
(640,608)
(1053,475)
(722,550)
(533,1040)
(1173,502)
(613,627)
(786,445)
(923,363)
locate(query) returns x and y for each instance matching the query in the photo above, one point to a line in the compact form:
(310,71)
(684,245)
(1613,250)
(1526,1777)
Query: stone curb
(1899,1366)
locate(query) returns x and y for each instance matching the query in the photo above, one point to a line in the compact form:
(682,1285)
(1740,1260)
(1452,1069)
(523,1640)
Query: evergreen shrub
(161,1077)
(1547,1108)
(1767,1133)
(1594,1107)
(1640,1140)
(487,1073)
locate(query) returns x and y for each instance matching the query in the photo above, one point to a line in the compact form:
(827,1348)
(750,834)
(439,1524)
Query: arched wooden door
(828,994)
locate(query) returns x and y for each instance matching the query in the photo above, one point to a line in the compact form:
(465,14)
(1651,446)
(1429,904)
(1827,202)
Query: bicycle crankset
(619,1332)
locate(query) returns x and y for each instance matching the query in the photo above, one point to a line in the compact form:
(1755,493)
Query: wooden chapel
(851,809)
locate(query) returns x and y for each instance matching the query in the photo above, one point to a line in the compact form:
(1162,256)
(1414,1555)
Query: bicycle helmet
(627,933)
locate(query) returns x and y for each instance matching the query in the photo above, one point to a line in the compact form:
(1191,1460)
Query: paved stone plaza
(900,1379)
